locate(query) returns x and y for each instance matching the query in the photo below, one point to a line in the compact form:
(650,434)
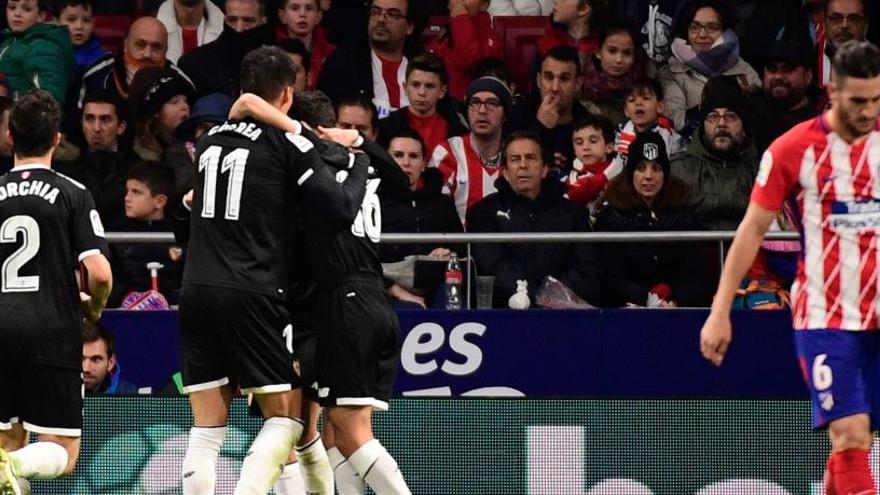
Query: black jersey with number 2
(48,223)
(249,178)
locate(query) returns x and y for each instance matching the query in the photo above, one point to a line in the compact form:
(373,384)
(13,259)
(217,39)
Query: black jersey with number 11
(244,205)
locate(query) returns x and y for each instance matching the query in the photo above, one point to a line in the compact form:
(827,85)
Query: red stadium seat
(111,30)
(520,33)
(437,25)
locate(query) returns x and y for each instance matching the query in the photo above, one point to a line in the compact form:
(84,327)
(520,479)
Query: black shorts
(358,346)
(46,399)
(231,336)
(305,348)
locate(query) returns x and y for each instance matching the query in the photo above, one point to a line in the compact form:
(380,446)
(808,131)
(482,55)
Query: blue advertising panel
(539,353)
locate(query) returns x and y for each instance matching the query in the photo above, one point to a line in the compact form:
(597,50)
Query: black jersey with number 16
(48,223)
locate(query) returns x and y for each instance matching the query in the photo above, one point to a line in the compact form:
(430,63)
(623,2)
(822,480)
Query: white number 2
(234,162)
(822,376)
(369,220)
(30,232)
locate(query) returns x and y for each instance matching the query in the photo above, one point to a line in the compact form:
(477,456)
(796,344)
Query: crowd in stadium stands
(506,115)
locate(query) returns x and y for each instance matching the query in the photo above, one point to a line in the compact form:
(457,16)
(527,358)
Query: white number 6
(822,376)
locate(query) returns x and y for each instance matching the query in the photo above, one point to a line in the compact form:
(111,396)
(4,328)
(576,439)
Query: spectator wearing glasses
(705,46)
(378,69)
(842,21)
(471,163)
(720,164)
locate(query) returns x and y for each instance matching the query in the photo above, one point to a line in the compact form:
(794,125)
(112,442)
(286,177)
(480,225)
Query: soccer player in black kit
(232,305)
(358,334)
(48,223)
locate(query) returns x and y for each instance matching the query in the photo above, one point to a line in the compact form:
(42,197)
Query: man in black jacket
(552,110)
(527,201)
(102,165)
(214,67)
(145,45)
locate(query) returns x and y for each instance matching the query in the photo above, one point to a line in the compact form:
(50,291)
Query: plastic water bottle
(453,283)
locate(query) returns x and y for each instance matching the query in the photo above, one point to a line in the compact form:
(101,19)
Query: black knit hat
(153,87)
(648,146)
(493,85)
(723,92)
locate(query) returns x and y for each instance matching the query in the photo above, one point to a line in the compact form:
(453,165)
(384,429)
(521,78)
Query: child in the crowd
(593,140)
(148,189)
(300,20)
(77,15)
(35,54)
(610,72)
(430,113)
(644,109)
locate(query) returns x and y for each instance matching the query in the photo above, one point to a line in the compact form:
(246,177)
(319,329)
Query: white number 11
(235,161)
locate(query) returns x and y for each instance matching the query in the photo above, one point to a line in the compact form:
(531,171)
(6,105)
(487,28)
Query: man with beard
(788,95)
(377,70)
(828,166)
(719,165)
(145,45)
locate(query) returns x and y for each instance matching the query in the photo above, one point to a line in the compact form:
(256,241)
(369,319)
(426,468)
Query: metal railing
(487,238)
(482,238)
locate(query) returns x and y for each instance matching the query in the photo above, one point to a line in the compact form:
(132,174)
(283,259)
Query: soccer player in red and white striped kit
(829,167)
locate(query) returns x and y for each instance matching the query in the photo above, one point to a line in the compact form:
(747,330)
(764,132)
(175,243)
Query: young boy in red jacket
(593,139)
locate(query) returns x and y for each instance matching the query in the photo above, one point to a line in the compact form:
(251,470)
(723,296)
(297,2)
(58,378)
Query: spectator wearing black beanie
(720,164)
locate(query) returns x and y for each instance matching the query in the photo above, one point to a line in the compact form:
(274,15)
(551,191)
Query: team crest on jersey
(765,168)
(25,174)
(301,143)
(97,226)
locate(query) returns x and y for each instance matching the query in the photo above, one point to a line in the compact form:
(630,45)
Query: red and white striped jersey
(835,187)
(466,177)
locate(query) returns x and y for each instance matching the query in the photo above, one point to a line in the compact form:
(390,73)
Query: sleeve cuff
(85,254)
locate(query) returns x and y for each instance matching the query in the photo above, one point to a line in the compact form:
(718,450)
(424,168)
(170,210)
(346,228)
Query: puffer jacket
(633,269)
(720,185)
(40,57)
(426,209)
(505,211)
(683,87)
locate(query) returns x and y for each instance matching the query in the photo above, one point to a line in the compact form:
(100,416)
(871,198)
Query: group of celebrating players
(284,222)
(282,268)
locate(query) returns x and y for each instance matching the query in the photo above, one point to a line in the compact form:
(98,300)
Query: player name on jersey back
(29,188)
(242,212)
(246,129)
